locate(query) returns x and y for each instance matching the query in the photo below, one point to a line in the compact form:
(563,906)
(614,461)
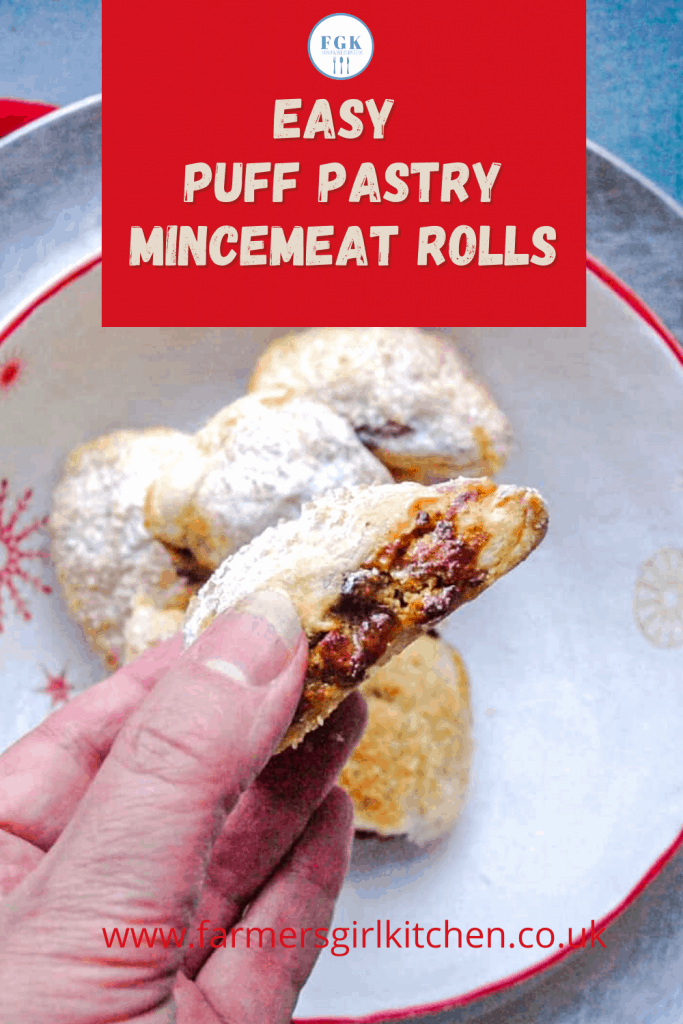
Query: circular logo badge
(340,46)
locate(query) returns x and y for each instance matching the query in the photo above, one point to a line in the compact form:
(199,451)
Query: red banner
(276,164)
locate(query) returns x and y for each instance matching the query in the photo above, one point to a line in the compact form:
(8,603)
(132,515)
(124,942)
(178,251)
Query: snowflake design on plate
(658,599)
(13,554)
(57,687)
(10,371)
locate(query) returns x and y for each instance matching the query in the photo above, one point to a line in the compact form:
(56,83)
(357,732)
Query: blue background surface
(50,50)
(635,85)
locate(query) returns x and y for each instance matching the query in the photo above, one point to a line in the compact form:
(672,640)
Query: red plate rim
(51,290)
(411,1012)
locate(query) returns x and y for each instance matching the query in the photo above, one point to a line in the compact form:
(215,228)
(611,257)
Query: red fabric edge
(16,113)
(411,1012)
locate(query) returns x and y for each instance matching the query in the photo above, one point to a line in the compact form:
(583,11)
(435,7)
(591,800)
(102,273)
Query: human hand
(150,801)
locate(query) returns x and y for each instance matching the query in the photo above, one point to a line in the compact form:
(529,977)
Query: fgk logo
(340,46)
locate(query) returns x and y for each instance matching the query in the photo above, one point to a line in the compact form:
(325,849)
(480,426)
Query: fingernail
(277,609)
(253,642)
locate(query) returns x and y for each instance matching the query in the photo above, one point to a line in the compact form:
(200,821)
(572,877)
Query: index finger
(44,775)
(136,849)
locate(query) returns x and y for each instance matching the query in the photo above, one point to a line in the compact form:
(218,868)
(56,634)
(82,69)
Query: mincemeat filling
(416,580)
(389,429)
(187,566)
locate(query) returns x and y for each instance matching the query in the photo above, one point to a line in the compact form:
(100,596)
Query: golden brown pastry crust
(369,568)
(408,775)
(407,393)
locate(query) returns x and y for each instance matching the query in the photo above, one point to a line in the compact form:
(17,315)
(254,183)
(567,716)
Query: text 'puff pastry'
(368,568)
(407,393)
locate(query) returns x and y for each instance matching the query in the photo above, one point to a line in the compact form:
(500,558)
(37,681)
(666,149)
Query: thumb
(136,849)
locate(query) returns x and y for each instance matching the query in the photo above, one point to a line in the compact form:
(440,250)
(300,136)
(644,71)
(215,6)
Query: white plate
(578,777)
